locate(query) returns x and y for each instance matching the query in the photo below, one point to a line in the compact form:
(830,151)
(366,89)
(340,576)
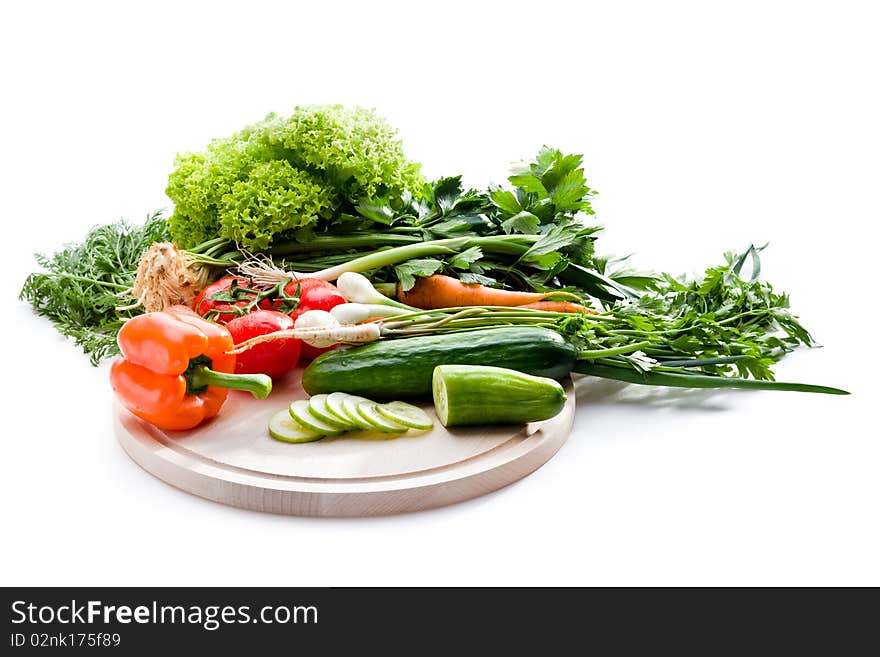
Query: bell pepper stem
(259,385)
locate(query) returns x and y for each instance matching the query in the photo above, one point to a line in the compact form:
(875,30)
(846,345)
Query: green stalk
(614,351)
(453,326)
(393,256)
(343,243)
(315,264)
(228,259)
(93,281)
(259,385)
(703,362)
(210,244)
(756,314)
(681,380)
(387,289)
(489,313)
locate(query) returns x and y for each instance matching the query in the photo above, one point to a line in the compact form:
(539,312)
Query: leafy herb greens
(721,324)
(84,283)
(549,206)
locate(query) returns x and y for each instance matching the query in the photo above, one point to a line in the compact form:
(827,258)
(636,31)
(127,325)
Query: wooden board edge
(339,498)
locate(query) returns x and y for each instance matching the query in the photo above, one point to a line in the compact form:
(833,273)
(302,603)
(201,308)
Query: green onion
(682,380)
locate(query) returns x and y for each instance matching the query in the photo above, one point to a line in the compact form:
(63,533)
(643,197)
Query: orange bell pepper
(174,371)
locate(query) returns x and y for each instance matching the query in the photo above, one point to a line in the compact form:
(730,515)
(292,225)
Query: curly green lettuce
(275,198)
(283,174)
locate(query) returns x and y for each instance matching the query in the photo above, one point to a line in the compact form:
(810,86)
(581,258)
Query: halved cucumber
(350,407)
(301,412)
(405,414)
(318,407)
(285,428)
(481,394)
(367,410)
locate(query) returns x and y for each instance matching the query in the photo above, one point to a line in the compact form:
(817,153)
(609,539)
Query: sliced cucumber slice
(350,407)
(318,407)
(301,412)
(284,428)
(334,405)
(405,414)
(367,410)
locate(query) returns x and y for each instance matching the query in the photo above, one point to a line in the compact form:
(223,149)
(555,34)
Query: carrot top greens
(83,284)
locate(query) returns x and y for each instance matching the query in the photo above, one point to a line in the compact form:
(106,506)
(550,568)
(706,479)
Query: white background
(704,126)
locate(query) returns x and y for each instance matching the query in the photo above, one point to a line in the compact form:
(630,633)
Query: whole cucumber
(402,368)
(477,394)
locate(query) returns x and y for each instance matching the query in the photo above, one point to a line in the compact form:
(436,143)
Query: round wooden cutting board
(233,460)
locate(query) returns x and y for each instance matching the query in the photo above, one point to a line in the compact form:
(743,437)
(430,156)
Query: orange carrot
(440,291)
(559,307)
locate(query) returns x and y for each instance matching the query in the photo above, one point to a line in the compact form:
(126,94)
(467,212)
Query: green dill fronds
(84,283)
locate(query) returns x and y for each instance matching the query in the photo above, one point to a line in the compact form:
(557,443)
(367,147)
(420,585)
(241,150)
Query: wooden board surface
(232,460)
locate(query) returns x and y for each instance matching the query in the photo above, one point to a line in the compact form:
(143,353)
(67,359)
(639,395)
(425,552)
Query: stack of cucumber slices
(307,420)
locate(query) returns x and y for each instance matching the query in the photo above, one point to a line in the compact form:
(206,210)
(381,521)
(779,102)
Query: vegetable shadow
(590,390)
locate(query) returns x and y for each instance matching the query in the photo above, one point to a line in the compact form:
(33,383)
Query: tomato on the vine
(227,298)
(232,299)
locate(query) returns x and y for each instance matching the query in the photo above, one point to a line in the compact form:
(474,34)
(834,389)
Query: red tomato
(213,309)
(274,358)
(314,294)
